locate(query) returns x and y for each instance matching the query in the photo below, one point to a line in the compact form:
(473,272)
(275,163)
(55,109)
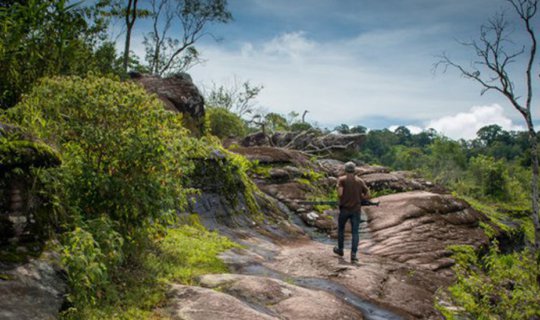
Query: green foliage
(45,38)
(224,124)
(123,174)
(496,286)
(237,98)
(171,51)
(17,152)
(492,177)
(181,255)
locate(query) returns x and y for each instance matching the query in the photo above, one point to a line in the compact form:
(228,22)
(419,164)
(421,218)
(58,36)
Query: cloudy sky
(359,62)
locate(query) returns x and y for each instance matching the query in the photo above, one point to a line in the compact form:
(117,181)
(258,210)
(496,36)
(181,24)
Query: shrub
(125,160)
(491,177)
(496,286)
(223,123)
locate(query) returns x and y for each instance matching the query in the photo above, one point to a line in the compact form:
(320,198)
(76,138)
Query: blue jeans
(344,216)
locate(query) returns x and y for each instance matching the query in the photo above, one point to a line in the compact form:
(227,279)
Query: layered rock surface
(404,256)
(32,290)
(178,94)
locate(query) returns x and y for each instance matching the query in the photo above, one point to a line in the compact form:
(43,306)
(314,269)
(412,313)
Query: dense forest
(116,167)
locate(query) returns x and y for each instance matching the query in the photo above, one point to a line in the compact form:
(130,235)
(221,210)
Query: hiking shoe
(338,251)
(354,258)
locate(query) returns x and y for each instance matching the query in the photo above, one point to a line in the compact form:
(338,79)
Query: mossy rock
(22,151)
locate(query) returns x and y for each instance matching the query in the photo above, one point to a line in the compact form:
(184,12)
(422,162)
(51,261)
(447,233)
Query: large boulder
(274,156)
(281,299)
(310,140)
(32,290)
(179,94)
(196,303)
(418,227)
(404,289)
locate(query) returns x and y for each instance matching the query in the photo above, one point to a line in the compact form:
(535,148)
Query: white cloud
(337,81)
(466,124)
(412,129)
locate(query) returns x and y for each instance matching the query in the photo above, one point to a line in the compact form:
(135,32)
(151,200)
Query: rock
(281,299)
(179,94)
(34,290)
(270,155)
(326,223)
(417,228)
(399,287)
(196,303)
(279,175)
(21,152)
(309,140)
(398,181)
(312,216)
(335,168)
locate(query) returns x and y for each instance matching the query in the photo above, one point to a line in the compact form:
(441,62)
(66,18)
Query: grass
(139,288)
(499,216)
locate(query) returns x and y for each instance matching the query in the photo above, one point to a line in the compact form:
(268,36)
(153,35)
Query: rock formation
(32,286)
(404,255)
(310,141)
(179,94)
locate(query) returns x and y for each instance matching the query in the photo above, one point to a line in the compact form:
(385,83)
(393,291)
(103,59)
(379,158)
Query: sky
(360,62)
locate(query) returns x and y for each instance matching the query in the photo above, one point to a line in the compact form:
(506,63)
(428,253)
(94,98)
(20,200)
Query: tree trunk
(131,15)
(534,182)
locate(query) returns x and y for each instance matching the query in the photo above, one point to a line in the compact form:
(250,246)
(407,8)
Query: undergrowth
(138,289)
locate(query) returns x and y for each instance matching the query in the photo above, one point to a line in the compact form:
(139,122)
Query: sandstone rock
(34,290)
(179,94)
(402,288)
(286,301)
(310,140)
(270,155)
(196,303)
(335,168)
(417,227)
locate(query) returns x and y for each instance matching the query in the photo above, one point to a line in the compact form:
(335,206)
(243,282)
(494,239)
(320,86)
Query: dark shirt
(354,189)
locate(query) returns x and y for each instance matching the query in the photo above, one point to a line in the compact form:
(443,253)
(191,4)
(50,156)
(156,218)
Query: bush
(125,159)
(223,123)
(491,177)
(497,286)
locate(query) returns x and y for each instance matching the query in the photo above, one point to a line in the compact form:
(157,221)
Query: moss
(20,253)
(312,175)
(182,254)
(304,182)
(24,154)
(5,277)
(383,192)
(261,170)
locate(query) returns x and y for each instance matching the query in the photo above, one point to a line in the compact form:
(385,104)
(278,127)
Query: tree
(130,15)
(45,38)
(489,134)
(224,124)
(491,70)
(166,54)
(236,98)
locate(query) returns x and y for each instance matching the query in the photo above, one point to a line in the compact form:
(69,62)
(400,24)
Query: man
(351,190)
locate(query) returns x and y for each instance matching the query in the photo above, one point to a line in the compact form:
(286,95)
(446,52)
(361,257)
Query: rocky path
(286,269)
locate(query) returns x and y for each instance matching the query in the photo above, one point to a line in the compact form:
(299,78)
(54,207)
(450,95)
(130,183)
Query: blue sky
(359,62)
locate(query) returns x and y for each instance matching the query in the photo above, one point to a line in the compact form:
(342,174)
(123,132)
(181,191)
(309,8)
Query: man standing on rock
(351,190)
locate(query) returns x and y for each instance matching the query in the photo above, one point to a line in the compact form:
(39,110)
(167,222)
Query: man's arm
(339,187)
(364,189)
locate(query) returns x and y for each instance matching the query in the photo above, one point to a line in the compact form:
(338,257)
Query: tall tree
(165,53)
(45,38)
(491,70)
(130,16)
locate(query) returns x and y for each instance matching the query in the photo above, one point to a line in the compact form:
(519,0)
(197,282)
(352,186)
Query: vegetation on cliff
(128,168)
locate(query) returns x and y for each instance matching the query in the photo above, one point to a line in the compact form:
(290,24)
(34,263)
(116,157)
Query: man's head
(350,167)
